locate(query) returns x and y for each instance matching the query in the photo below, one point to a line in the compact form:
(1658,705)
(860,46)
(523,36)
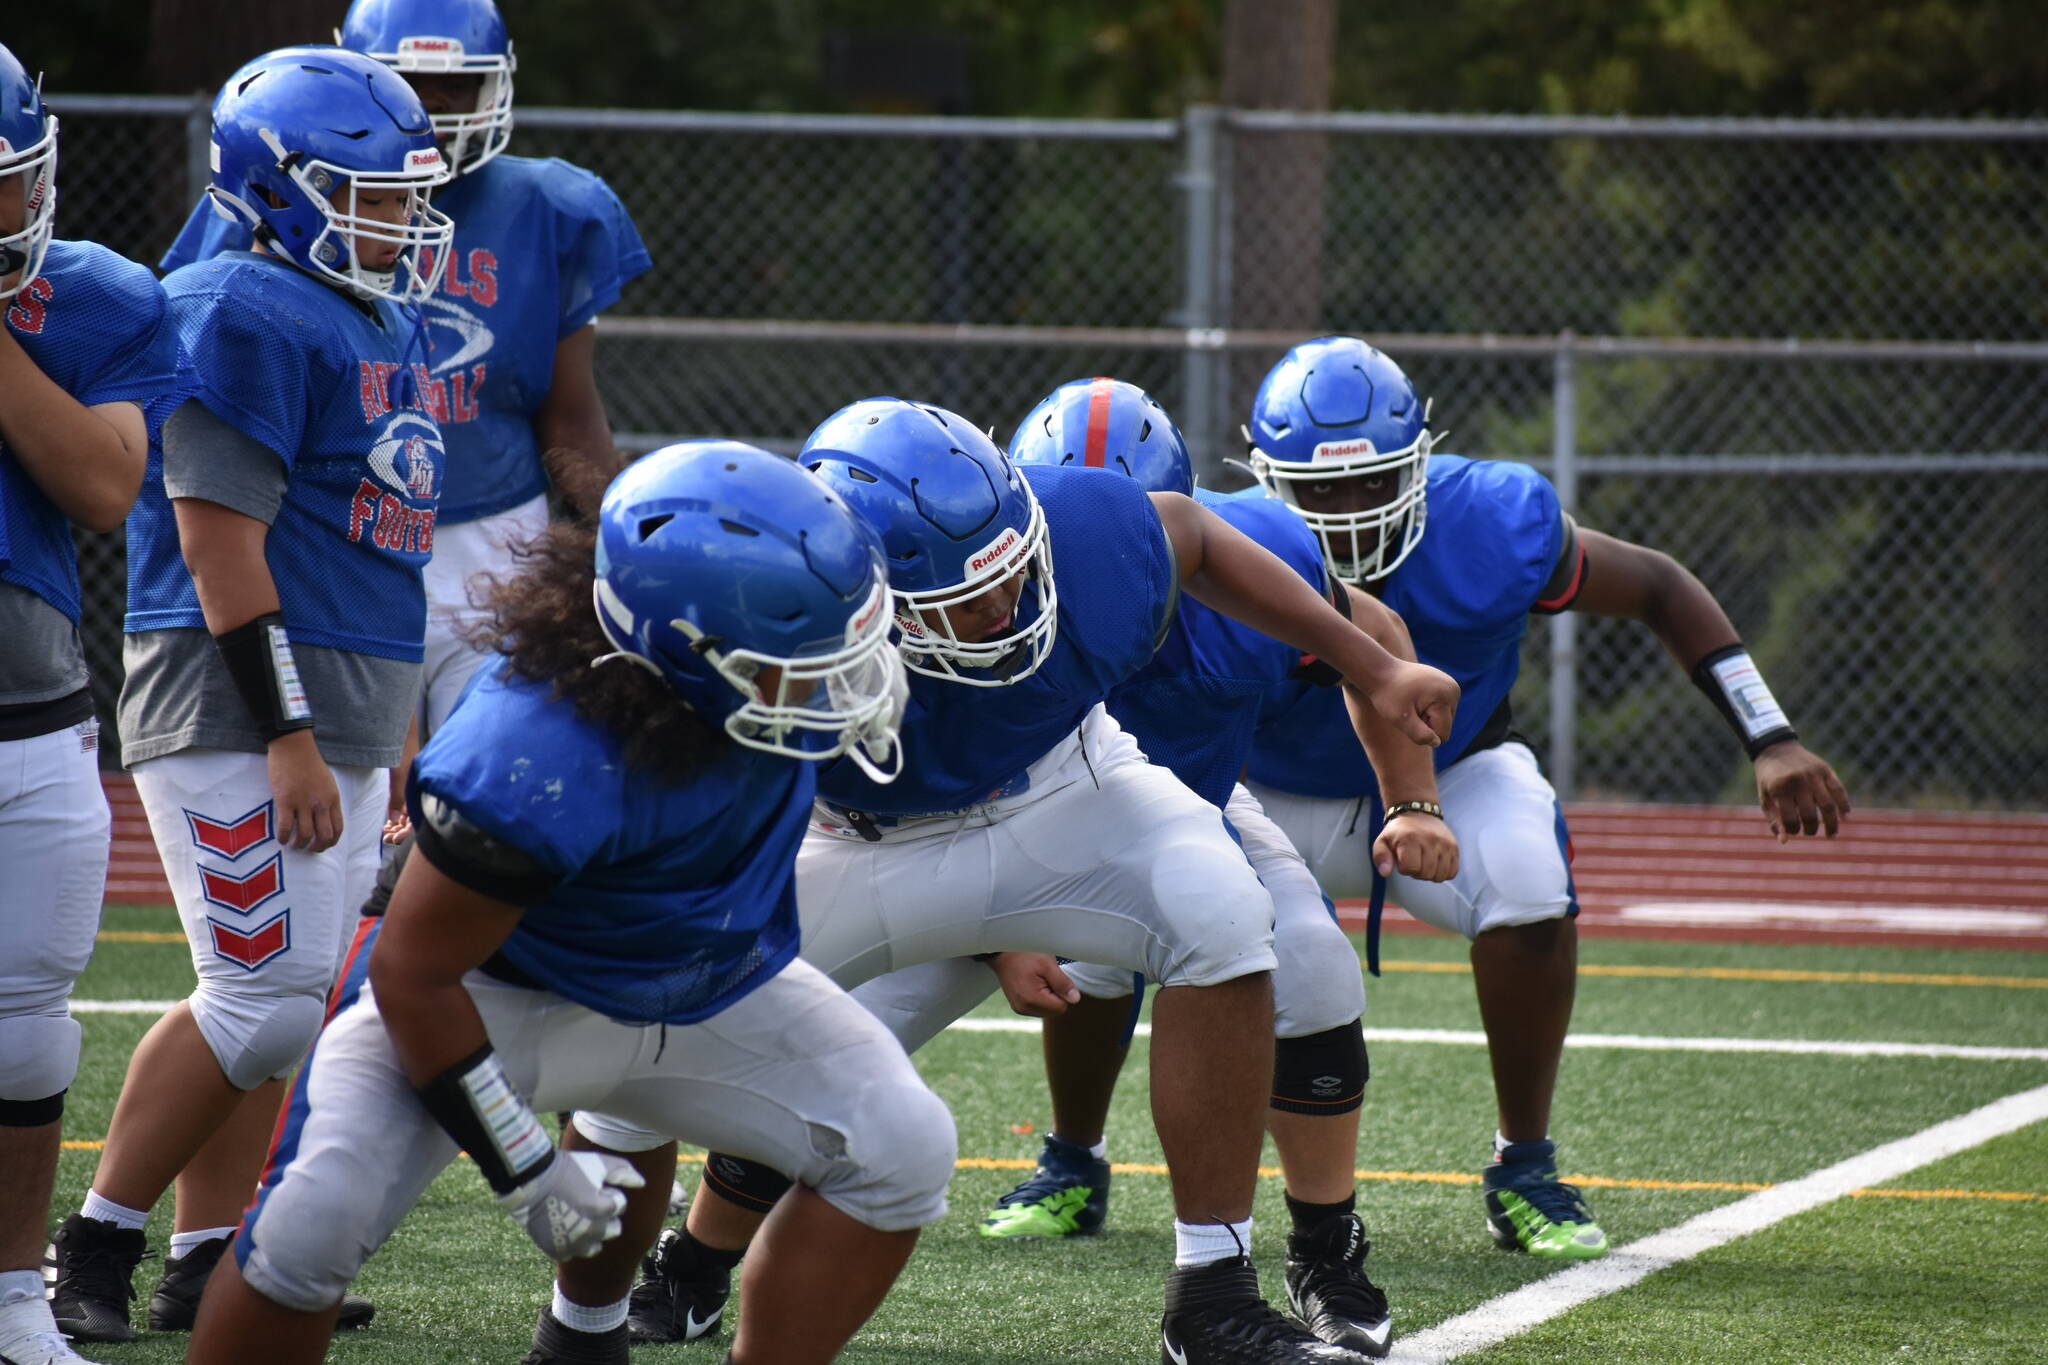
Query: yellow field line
(1761,974)
(1585,969)
(1600,1182)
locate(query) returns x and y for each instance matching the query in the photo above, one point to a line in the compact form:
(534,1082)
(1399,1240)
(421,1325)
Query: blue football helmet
(1106,424)
(956,519)
(717,561)
(28,157)
(1335,409)
(445,38)
(298,134)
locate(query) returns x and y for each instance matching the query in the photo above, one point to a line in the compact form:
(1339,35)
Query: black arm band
(476,1105)
(259,659)
(1730,679)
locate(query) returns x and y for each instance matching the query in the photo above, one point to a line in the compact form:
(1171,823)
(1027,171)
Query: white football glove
(572,1208)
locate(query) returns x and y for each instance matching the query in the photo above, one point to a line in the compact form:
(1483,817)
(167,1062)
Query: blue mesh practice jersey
(1493,549)
(541,248)
(1195,706)
(299,368)
(1115,574)
(96,324)
(671,898)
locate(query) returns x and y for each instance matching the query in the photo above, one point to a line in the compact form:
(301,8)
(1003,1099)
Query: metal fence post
(198,148)
(1564,627)
(1196,183)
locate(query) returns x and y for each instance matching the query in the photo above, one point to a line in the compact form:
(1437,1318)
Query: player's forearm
(80,457)
(1405,770)
(1228,571)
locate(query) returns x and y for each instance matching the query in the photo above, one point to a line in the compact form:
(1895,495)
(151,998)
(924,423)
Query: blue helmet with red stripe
(28,156)
(1106,424)
(957,522)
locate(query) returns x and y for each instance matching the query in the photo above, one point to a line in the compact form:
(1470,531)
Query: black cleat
(554,1344)
(1214,1316)
(174,1307)
(90,1267)
(680,1297)
(1328,1290)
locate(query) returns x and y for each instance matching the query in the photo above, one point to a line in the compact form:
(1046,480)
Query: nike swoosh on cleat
(692,1329)
(1381,1335)
(1179,1356)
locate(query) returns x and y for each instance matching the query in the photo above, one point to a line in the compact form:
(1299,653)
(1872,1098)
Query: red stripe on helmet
(1098,423)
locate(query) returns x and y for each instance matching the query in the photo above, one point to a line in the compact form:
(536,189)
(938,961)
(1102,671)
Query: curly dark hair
(542,619)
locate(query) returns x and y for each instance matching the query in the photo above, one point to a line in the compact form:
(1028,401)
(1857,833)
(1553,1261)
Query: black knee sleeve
(1323,1073)
(746,1183)
(32,1113)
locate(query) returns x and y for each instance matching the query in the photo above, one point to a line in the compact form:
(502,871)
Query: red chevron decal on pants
(245,893)
(230,838)
(253,949)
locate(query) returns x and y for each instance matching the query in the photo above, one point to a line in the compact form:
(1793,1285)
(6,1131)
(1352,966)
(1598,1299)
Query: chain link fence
(1865,500)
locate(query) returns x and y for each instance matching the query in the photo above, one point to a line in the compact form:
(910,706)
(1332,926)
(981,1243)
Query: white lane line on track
(1638,1042)
(1457,1038)
(1532,1305)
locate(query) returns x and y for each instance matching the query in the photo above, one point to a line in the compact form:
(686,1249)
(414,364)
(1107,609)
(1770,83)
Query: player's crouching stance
(608,829)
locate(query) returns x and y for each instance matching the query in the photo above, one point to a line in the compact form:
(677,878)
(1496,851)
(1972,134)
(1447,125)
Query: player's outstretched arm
(1797,789)
(1226,570)
(87,460)
(437,929)
(1414,842)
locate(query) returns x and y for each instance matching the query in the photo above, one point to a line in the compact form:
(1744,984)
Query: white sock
(1100,1151)
(1501,1143)
(18,1285)
(577,1318)
(183,1242)
(107,1211)
(1202,1243)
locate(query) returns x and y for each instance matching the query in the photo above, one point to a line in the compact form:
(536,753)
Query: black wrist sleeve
(476,1105)
(259,660)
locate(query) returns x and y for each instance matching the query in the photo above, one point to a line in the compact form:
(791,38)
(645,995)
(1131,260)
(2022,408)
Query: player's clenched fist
(1420,700)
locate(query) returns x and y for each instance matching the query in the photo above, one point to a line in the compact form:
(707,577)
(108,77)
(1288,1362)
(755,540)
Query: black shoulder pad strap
(465,853)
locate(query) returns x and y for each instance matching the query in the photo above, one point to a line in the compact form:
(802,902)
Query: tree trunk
(1278,55)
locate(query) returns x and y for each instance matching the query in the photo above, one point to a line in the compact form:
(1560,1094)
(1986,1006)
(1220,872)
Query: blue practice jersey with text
(541,248)
(307,372)
(1116,579)
(1495,535)
(670,898)
(97,325)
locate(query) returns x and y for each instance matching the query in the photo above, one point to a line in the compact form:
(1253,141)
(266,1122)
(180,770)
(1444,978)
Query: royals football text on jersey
(1115,572)
(1195,706)
(1496,533)
(669,898)
(306,372)
(97,325)
(541,248)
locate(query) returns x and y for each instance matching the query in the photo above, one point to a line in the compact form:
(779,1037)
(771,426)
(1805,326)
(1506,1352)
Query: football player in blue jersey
(1027,820)
(89,363)
(1339,435)
(1193,708)
(602,911)
(275,614)
(541,248)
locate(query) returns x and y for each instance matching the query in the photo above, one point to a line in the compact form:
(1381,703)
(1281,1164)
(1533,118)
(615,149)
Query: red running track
(1931,878)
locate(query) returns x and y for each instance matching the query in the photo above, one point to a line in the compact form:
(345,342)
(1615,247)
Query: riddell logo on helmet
(1344,450)
(448,46)
(995,552)
(423,160)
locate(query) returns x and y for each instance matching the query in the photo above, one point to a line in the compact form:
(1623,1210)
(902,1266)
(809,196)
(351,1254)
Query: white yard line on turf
(1454,1037)
(1460,1037)
(1530,1306)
